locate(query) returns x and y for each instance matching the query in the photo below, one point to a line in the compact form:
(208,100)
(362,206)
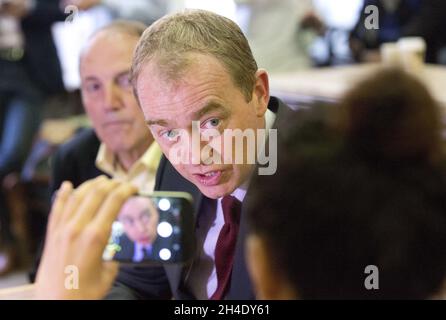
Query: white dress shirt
(138,255)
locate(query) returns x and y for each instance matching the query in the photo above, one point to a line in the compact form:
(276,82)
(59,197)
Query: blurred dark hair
(359,184)
(391,116)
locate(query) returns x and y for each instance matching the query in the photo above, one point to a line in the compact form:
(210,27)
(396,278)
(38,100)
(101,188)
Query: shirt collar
(108,163)
(239,193)
(270,117)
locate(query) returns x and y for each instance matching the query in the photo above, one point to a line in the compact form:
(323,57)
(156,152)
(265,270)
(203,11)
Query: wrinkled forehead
(174,68)
(162,86)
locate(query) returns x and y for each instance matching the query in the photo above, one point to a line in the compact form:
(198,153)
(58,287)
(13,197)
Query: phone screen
(153,228)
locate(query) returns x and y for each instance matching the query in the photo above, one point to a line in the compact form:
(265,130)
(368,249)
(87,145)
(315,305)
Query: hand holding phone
(78,231)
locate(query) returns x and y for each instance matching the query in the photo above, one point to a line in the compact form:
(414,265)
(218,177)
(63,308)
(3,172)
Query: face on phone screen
(150,229)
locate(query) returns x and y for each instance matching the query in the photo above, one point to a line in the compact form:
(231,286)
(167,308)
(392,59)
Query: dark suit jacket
(168,179)
(127,248)
(75,160)
(41,60)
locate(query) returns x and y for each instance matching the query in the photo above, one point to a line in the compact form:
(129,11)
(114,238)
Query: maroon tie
(224,250)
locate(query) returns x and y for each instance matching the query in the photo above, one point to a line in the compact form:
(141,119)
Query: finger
(93,201)
(78,196)
(59,203)
(111,207)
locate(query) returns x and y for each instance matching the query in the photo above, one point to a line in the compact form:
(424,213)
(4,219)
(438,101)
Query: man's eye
(212,123)
(145,218)
(124,81)
(92,87)
(127,221)
(170,134)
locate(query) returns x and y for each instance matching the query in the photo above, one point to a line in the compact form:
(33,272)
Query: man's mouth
(146,240)
(211,178)
(116,123)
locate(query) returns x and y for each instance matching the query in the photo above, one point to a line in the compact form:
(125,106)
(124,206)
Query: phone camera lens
(164,204)
(165,254)
(164,229)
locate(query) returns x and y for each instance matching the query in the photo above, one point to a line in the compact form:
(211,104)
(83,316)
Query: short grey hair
(126,27)
(172,39)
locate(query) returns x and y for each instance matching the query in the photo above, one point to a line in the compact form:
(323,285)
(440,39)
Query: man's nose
(112,98)
(185,151)
(202,151)
(140,227)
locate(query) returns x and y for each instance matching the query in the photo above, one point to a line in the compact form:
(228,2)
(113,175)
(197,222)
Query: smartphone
(154,228)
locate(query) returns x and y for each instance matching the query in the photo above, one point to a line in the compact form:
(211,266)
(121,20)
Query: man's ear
(268,283)
(261,92)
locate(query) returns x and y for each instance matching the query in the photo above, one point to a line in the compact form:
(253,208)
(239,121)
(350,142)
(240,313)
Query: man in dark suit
(195,78)
(202,88)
